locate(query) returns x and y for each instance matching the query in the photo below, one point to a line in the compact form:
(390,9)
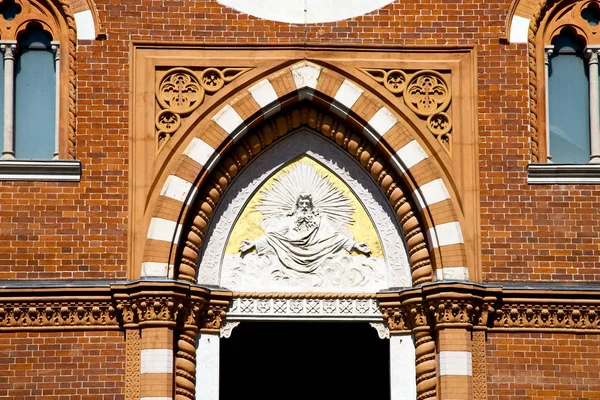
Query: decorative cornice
(65,305)
(492,307)
(111,306)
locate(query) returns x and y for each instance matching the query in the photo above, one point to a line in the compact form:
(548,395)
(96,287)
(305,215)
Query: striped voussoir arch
(267,102)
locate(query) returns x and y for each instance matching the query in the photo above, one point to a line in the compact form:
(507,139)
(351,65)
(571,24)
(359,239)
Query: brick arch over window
(353,118)
(56,17)
(532,12)
(87,18)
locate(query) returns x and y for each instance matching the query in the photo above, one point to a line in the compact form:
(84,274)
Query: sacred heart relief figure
(306,243)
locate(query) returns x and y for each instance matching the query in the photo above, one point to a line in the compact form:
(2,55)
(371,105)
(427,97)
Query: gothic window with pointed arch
(37,90)
(569,44)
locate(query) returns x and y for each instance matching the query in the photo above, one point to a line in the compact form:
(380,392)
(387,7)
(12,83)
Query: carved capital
(149,310)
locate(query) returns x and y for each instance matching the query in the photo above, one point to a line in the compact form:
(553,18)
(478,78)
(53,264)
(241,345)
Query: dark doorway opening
(293,360)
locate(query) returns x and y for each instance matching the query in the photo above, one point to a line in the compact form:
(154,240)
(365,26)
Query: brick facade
(547,234)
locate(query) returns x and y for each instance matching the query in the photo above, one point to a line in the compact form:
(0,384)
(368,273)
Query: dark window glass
(35,96)
(569,102)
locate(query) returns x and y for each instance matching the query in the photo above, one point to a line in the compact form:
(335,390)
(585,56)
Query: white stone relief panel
(305,11)
(247,273)
(304,309)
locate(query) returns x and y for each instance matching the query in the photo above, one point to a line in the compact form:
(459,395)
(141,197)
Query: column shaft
(455,364)
(594,106)
(156,364)
(9,98)
(56,49)
(547,53)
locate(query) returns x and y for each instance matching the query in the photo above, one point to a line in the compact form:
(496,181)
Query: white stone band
(199,151)
(348,94)
(156,361)
(409,156)
(164,230)
(382,121)
(306,74)
(228,119)
(178,189)
(455,363)
(445,234)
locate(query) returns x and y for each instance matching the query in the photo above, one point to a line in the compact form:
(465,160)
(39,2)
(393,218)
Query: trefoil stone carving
(181,91)
(426,93)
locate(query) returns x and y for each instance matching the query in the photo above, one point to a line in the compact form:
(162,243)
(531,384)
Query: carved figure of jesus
(304,239)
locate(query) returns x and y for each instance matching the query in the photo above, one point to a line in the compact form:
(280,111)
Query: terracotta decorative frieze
(426,93)
(181,91)
(548,316)
(133,346)
(116,306)
(479,366)
(37,314)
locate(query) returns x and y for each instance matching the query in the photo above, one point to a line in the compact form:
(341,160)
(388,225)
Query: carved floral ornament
(181,91)
(426,93)
(580,16)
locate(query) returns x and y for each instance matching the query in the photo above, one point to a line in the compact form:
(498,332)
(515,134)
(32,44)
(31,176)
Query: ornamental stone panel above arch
(210,121)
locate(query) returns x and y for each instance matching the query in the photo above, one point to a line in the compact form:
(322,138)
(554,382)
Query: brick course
(62,365)
(544,366)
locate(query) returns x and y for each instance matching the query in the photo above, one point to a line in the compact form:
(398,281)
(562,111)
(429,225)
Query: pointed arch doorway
(283,318)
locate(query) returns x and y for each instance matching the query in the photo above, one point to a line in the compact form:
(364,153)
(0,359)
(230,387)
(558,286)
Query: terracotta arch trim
(267,134)
(344,101)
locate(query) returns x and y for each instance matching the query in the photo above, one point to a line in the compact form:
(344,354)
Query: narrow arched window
(569,100)
(2,78)
(35,95)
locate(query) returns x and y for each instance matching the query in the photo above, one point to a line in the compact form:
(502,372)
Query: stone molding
(304,307)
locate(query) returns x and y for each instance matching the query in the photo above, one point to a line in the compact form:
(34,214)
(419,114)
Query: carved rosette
(426,93)
(181,91)
(332,127)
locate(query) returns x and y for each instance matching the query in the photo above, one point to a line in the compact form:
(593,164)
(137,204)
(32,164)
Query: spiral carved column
(185,359)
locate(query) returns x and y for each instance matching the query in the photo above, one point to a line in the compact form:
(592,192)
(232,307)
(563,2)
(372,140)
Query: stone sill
(40,170)
(563,174)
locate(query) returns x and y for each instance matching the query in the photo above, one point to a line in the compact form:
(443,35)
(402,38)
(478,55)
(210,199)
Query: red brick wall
(62,365)
(548,366)
(64,230)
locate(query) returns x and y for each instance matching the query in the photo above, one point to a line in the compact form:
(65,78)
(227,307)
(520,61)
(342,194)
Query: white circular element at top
(305,11)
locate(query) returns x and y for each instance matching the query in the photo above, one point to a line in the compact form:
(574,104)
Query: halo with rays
(280,198)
